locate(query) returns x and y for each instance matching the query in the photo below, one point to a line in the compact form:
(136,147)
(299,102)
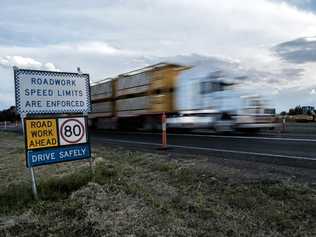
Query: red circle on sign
(63,125)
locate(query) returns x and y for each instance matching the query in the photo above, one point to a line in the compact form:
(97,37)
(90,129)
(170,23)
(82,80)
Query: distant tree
(9,114)
(283,113)
(291,112)
(298,110)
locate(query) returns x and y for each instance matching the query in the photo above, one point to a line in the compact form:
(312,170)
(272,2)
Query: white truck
(207,99)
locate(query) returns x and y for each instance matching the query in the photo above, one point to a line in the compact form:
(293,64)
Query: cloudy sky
(272,41)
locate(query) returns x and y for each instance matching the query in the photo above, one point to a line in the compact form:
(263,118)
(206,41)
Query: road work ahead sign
(54,140)
(41,133)
(39,92)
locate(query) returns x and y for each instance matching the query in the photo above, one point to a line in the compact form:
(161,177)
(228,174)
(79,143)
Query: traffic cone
(164,131)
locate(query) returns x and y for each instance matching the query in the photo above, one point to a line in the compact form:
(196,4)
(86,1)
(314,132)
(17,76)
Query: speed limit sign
(72,131)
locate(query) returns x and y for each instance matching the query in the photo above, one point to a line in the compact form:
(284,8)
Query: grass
(143,194)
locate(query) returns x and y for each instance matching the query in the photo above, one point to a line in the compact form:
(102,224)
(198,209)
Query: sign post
(51,138)
(90,160)
(34,187)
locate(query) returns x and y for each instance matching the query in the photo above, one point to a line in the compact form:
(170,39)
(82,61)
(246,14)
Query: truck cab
(205,98)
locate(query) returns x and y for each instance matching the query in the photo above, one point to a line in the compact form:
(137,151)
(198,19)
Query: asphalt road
(297,146)
(287,149)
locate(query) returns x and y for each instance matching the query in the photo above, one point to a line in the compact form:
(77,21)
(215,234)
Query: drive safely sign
(56,155)
(53,140)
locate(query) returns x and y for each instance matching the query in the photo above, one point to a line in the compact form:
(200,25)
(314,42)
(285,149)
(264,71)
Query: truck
(198,97)
(207,98)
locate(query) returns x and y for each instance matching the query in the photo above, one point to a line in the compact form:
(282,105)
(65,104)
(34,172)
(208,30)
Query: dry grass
(143,194)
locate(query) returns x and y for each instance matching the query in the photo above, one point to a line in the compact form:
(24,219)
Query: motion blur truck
(192,98)
(135,99)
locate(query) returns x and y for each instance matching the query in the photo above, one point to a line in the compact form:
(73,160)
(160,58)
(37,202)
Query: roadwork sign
(41,133)
(47,92)
(53,140)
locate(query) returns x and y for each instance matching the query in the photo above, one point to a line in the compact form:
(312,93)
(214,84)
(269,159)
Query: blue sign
(56,155)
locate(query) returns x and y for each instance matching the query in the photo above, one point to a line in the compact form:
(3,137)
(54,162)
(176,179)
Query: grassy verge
(143,194)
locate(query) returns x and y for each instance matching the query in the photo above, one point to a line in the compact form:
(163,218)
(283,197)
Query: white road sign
(72,131)
(47,92)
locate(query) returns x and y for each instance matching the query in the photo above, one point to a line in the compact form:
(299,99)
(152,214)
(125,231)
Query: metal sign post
(90,160)
(34,187)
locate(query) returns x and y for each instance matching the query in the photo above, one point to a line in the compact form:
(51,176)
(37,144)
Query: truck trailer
(191,97)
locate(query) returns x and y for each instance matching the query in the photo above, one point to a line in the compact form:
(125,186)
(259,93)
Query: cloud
(300,50)
(202,26)
(105,38)
(90,47)
(306,5)
(25,62)
(313,92)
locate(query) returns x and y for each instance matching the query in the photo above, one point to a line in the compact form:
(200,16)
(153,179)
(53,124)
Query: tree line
(9,115)
(307,110)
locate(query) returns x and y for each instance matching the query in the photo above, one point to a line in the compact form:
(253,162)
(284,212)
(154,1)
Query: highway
(295,147)
(287,149)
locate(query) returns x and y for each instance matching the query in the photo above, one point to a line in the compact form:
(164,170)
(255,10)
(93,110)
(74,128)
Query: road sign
(56,155)
(53,140)
(41,133)
(39,92)
(72,131)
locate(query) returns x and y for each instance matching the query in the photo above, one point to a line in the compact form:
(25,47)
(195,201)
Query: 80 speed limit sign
(72,131)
